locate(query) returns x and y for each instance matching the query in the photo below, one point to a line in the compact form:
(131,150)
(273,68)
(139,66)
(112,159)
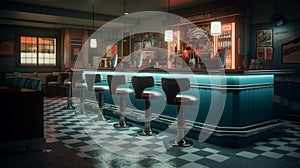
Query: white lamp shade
(215,28)
(139,60)
(168,35)
(93,43)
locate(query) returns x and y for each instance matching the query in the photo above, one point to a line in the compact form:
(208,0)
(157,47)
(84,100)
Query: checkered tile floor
(105,146)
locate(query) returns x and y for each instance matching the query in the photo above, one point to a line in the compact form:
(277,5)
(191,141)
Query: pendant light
(168,32)
(93,41)
(168,35)
(124,8)
(277,18)
(215,27)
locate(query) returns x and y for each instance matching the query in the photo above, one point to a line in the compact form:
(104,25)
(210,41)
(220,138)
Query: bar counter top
(198,71)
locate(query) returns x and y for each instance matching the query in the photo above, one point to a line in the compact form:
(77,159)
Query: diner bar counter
(234,106)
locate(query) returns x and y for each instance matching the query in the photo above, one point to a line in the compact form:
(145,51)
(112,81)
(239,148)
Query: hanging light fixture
(215,26)
(168,32)
(93,41)
(168,35)
(124,20)
(124,8)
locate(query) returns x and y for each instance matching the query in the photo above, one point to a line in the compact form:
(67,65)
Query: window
(37,51)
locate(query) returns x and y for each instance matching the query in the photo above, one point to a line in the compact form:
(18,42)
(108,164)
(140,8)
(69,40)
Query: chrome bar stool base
(100,117)
(81,112)
(122,125)
(69,105)
(182,143)
(147,133)
(68,108)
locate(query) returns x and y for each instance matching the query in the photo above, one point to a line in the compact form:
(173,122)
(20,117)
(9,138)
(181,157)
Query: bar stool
(52,85)
(81,85)
(113,82)
(66,81)
(171,87)
(91,80)
(140,83)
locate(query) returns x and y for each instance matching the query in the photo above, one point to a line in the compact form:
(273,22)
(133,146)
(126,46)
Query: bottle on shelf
(192,60)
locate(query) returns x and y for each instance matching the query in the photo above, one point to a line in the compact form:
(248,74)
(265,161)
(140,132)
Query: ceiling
(79,13)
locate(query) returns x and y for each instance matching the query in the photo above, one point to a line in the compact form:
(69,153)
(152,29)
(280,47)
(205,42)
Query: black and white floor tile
(104,146)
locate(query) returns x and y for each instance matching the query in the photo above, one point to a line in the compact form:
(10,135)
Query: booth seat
(24,82)
(22,109)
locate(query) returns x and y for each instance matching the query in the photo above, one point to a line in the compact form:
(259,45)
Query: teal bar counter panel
(229,104)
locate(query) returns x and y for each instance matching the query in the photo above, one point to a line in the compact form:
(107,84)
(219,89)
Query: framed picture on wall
(269,53)
(264,53)
(7,47)
(264,38)
(75,50)
(260,53)
(111,50)
(290,52)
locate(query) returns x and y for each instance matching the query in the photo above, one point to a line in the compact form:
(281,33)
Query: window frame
(38,52)
(42,34)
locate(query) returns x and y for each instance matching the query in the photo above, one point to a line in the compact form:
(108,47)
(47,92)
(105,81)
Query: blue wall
(260,14)
(287,87)
(292,30)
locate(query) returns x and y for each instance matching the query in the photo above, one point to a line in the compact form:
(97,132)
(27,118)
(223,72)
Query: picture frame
(264,38)
(264,53)
(269,53)
(290,52)
(75,51)
(7,47)
(260,53)
(111,50)
(76,44)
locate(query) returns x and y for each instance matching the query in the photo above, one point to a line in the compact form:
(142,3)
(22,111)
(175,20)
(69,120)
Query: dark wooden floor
(41,155)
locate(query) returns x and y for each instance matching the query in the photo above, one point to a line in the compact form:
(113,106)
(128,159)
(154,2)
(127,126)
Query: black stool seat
(151,95)
(172,88)
(123,91)
(114,81)
(67,82)
(100,88)
(80,84)
(140,83)
(186,100)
